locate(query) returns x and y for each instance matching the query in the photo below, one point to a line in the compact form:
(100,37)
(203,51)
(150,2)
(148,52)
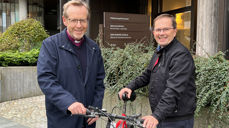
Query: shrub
(212,82)
(123,65)
(19,58)
(23,36)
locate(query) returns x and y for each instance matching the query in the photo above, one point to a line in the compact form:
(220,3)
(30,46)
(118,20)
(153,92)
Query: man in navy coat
(71,71)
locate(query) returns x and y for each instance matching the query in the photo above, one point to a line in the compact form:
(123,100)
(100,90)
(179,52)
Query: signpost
(124,28)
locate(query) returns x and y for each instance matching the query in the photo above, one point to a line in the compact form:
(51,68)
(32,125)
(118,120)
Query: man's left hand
(150,122)
(92,120)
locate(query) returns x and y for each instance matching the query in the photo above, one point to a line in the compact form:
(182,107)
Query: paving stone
(5,123)
(23,113)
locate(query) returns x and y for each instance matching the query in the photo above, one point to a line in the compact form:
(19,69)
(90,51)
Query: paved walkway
(5,123)
(23,113)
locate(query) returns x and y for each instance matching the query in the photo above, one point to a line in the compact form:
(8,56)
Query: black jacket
(172,90)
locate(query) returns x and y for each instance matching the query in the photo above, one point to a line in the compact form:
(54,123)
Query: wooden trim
(180,10)
(193,25)
(226,23)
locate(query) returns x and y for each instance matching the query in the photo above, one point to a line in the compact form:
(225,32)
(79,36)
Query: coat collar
(67,45)
(160,50)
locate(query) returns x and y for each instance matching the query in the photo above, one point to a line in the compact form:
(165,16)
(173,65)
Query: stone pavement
(23,113)
(5,123)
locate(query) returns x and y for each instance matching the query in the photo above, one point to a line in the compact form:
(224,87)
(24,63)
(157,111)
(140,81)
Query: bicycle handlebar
(133,119)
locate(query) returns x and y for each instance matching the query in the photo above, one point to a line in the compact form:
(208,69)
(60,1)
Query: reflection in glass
(12,13)
(16,11)
(1,17)
(174,4)
(9,12)
(8,20)
(183,28)
(36,10)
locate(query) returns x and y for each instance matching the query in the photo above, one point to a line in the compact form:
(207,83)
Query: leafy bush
(123,65)
(212,75)
(213,84)
(19,58)
(23,36)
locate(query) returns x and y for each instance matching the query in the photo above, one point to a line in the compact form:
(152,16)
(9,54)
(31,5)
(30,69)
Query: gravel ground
(28,111)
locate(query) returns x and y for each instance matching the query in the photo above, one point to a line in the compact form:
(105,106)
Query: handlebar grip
(141,121)
(88,114)
(125,97)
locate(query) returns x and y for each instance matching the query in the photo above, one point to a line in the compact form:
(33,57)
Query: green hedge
(19,58)
(23,36)
(212,82)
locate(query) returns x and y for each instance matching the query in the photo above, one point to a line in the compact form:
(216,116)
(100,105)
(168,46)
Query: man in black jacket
(171,80)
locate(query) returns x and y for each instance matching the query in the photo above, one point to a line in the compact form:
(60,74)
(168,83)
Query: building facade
(203,25)
(12,11)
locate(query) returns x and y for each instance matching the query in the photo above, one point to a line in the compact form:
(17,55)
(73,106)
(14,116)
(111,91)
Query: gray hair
(75,3)
(174,24)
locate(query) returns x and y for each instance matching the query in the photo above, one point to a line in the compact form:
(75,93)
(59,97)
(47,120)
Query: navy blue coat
(60,79)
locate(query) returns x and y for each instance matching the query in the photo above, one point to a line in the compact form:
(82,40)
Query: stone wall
(18,82)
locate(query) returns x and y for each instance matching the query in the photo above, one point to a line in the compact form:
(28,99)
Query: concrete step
(5,123)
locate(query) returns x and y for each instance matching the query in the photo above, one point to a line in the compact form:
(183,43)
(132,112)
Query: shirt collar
(75,42)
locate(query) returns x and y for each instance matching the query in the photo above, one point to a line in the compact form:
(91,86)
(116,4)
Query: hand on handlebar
(77,108)
(125,90)
(150,122)
(92,120)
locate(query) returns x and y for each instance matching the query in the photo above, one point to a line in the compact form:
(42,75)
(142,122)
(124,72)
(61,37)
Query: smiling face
(164,32)
(76,21)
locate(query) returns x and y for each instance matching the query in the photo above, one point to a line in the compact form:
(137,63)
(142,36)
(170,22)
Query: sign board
(124,28)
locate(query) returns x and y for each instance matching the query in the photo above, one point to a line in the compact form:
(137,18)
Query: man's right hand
(125,90)
(77,108)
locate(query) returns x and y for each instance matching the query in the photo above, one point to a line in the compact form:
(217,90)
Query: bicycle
(125,121)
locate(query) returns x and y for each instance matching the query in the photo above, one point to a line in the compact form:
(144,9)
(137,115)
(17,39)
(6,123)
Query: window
(35,9)
(174,4)
(7,14)
(182,10)
(183,27)
(1,23)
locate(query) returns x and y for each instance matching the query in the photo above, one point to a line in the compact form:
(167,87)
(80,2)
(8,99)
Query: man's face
(163,31)
(76,22)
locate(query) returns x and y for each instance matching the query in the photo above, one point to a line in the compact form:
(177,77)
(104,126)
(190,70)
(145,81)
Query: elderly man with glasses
(71,71)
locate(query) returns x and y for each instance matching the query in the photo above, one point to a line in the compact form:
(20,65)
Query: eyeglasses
(75,21)
(162,30)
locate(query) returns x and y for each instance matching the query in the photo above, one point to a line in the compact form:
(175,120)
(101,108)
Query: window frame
(157,5)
